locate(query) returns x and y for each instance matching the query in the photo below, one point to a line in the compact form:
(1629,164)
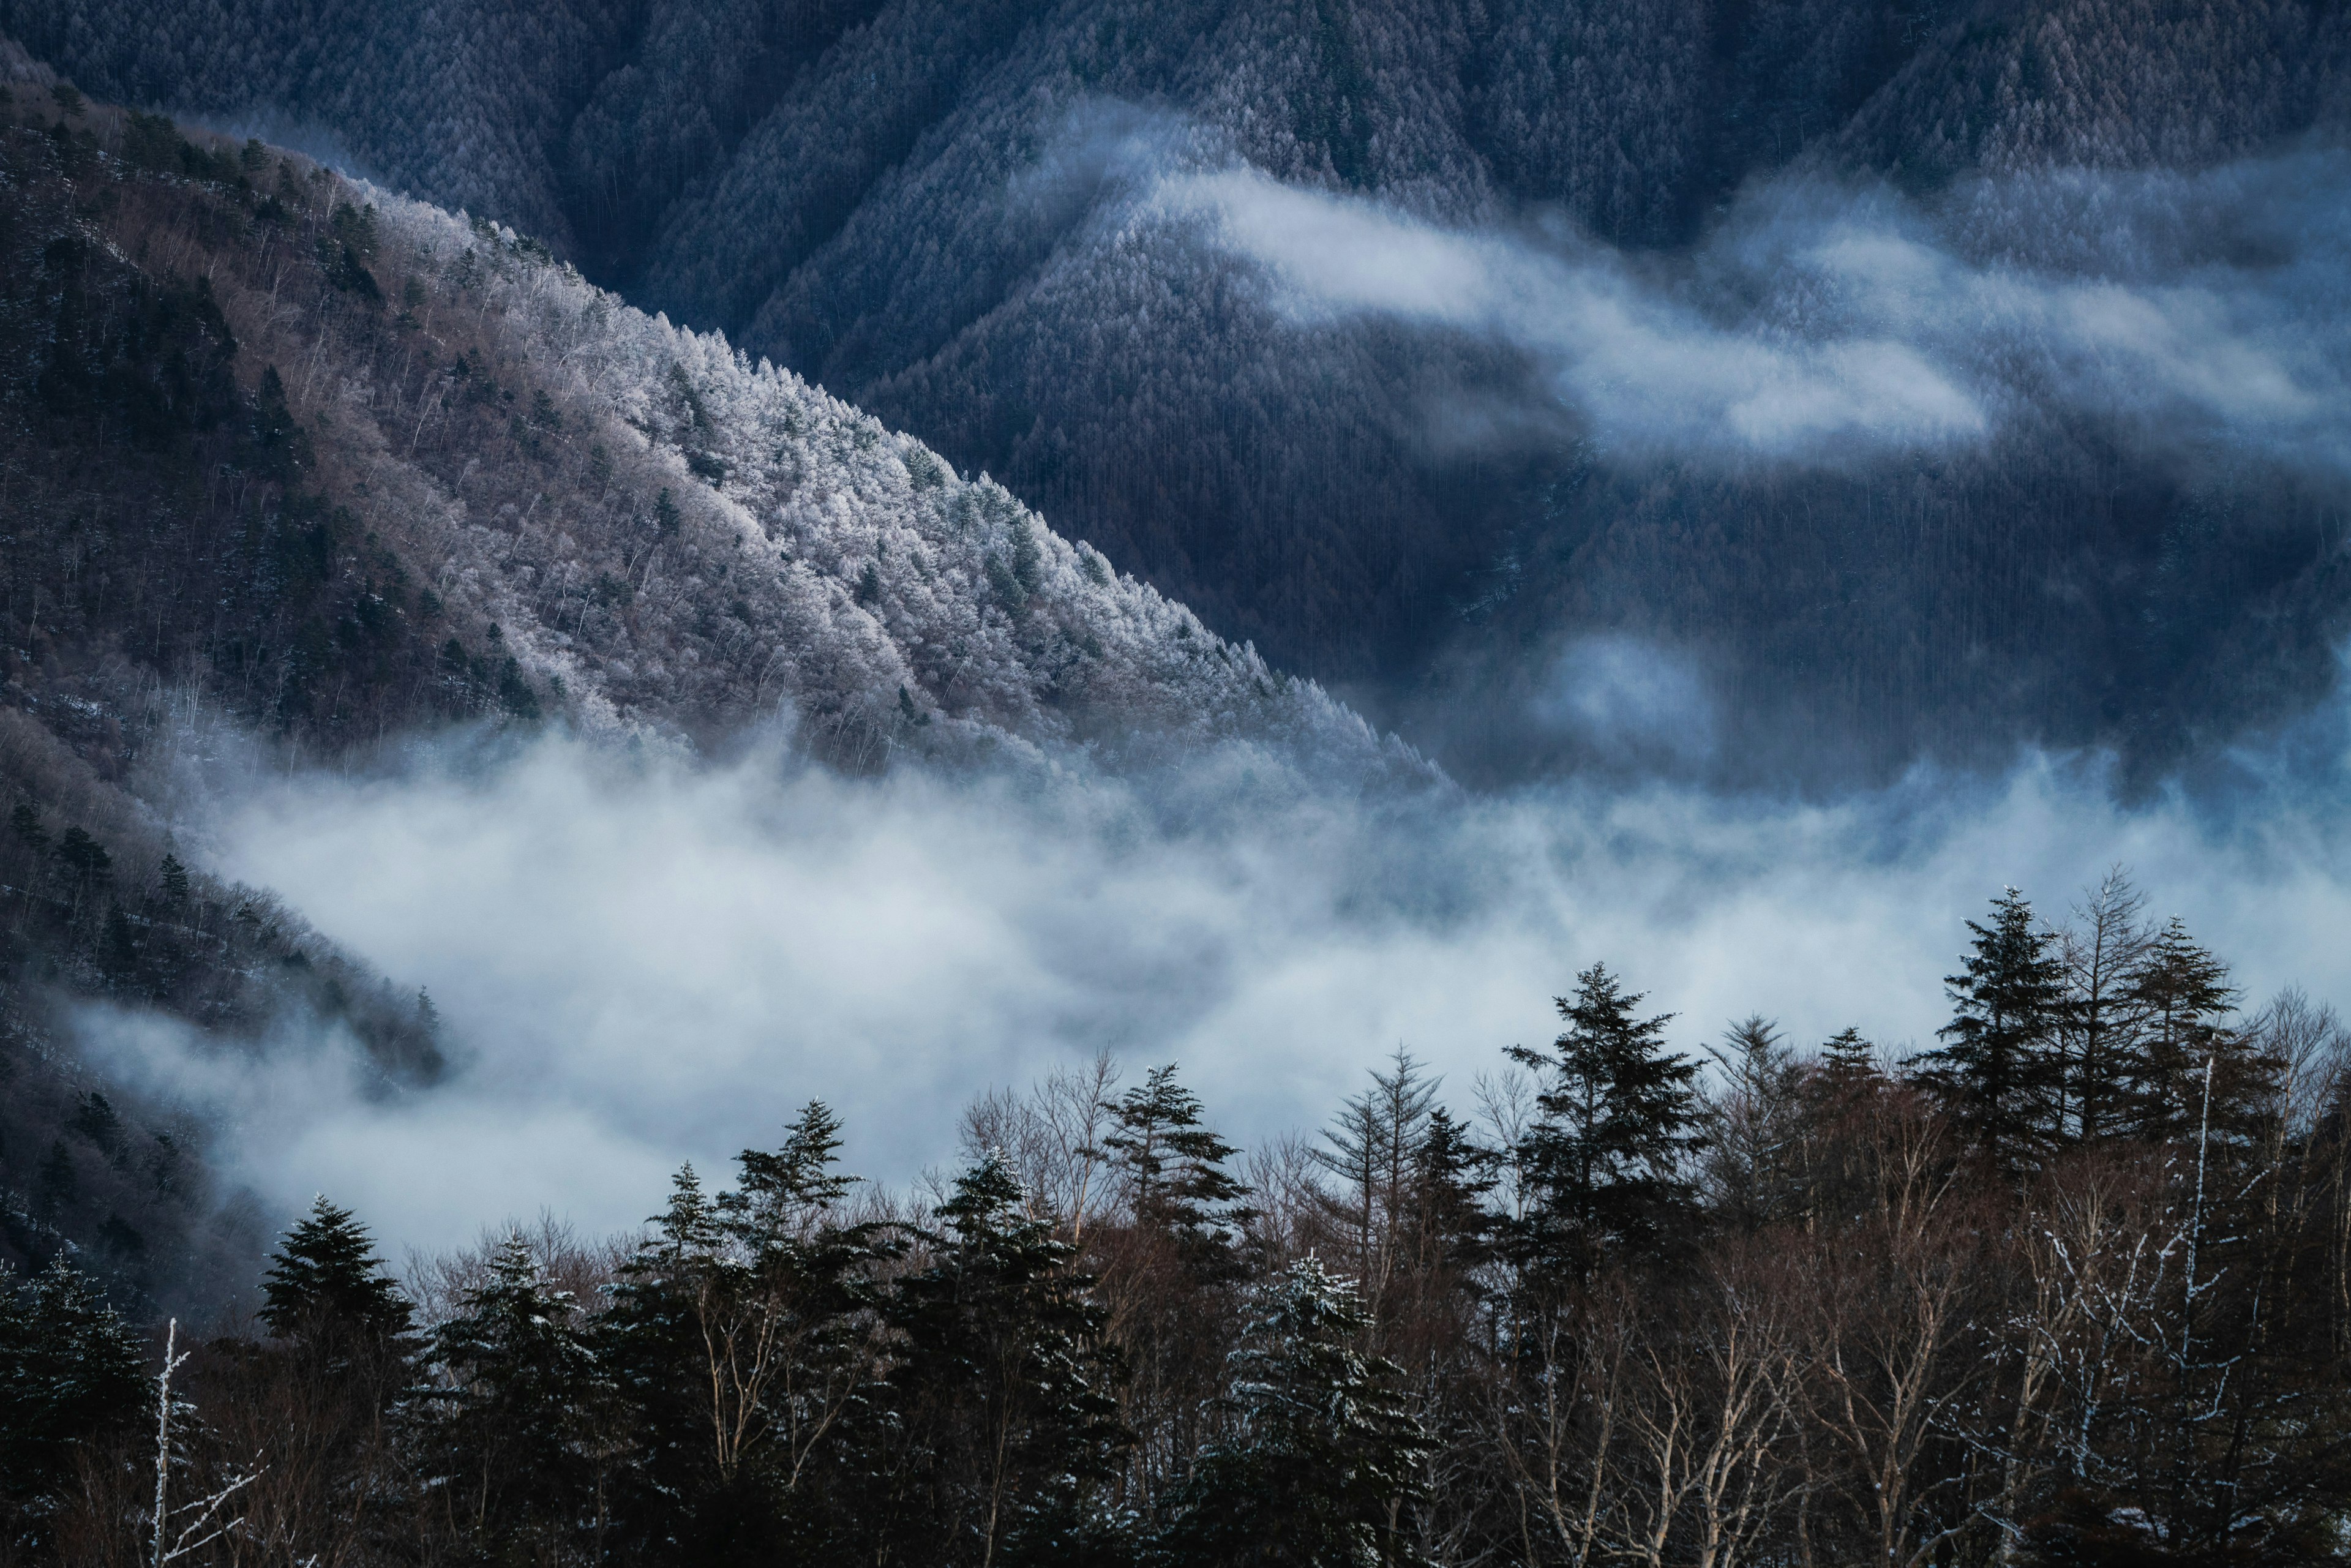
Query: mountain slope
(945,213)
(296,464)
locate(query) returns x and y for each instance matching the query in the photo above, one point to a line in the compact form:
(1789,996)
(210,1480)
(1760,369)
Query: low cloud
(1826,323)
(642,961)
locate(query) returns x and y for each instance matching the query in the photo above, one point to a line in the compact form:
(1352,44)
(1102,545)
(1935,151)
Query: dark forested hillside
(2067,1290)
(942,212)
(283,468)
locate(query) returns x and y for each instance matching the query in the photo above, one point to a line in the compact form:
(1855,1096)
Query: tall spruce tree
(1753,1165)
(998,1433)
(1605,1160)
(1320,1468)
(325,1279)
(2000,1072)
(72,1374)
(2182,993)
(523,1446)
(1172,1165)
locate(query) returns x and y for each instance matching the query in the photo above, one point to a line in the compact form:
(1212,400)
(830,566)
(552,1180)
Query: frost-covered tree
(72,1377)
(521,1441)
(1320,1468)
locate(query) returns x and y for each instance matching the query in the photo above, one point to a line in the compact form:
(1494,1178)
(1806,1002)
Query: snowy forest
(2071,1286)
(954,215)
(309,487)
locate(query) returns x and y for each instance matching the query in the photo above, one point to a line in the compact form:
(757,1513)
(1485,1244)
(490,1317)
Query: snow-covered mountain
(680,536)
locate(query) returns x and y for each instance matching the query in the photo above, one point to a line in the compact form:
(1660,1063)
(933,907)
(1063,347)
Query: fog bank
(1830,323)
(642,961)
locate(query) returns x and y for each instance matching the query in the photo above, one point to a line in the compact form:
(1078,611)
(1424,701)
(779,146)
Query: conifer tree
(1321,1467)
(523,1442)
(1171,1270)
(1173,1168)
(1848,1059)
(1617,1120)
(325,1278)
(998,1429)
(2182,994)
(71,1375)
(738,1331)
(1452,1177)
(1999,1071)
(1752,1171)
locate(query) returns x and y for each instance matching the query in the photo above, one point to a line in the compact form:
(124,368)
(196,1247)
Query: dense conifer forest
(2067,1288)
(948,215)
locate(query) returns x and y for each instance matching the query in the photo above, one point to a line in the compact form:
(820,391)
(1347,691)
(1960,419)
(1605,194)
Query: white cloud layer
(645,962)
(1825,323)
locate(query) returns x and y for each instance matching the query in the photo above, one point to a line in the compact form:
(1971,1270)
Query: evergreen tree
(1320,1470)
(1171,1269)
(1847,1060)
(523,1443)
(2182,993)
(998,1431)
(739,1334)
(1452,1177)
(72,1374)
(326,1278)
(1173,1168)
(1753,1173)
(1999,1072)
(1617,1120)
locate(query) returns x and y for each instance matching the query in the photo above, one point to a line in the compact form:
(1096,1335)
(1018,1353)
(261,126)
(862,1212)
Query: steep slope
(945,213)
(297,465)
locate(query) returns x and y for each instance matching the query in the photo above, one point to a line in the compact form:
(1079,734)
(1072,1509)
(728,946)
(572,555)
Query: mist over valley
(1330,783)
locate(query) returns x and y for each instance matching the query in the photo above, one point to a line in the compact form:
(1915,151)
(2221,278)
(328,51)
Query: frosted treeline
(737,525)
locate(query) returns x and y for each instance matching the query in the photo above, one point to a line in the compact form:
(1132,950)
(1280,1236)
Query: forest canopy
(2065,1287)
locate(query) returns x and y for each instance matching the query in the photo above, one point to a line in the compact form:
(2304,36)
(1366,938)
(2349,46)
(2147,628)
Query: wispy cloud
(1825,323)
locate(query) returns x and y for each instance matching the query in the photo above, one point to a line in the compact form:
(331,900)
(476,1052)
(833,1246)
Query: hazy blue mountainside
(958,217)
(293,460)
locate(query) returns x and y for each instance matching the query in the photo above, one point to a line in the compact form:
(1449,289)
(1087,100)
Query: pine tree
(998,1429)
(1999,1072)
(738,1333)
(1321,1470)
(1847,1060)
(71,1375)
(522,1443)
(2182,993)
(1752,1170)
(1171,1269)
(1617,1119)
(1173,1168)
(326,1278)
(1452,1177)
